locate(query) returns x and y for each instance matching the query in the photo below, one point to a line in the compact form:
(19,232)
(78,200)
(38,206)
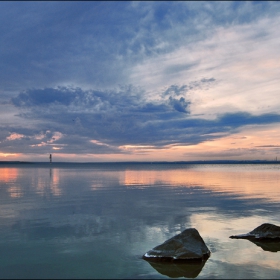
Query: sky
(139,81)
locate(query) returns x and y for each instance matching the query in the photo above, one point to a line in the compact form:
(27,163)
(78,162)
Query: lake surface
(97,220)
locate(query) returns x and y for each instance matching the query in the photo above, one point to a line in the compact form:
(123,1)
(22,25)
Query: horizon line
(145,162)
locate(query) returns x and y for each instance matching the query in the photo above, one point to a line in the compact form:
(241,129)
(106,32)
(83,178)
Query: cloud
(243,118)
(72,120)
(93,77)
(175,90)
(179,104)
(14,136)
(74,44)
(97,44)
(268,146)
(240,54)
(43,97)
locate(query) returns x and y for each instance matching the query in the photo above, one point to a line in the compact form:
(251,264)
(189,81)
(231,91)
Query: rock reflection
(176,270)
(271,246)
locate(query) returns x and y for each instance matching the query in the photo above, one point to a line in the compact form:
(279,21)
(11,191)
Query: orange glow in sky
(203,88)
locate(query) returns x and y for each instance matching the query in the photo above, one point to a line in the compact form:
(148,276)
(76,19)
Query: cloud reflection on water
(251,184)
(41,181)
(132,209)
(8,175)
(268,246)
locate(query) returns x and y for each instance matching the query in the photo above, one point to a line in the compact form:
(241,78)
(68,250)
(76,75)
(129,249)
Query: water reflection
(247,180)
(90,219)
(15,191)
(176,270)
(270,246)
(54,182)
(8,175)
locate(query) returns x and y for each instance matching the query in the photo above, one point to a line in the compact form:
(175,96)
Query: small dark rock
(264,232)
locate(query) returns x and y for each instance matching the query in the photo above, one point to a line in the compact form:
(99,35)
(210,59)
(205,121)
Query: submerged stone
(186,246)
(264,232)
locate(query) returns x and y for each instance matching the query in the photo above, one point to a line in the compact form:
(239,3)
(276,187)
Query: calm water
(96,221)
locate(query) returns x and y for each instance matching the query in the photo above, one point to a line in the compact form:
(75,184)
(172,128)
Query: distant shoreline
(152,162)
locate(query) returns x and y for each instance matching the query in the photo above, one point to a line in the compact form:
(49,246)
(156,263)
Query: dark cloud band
(102,121)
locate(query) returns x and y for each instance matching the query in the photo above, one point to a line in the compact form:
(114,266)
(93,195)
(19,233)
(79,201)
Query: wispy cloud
(116,77)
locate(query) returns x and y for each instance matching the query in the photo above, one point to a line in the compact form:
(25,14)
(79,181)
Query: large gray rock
(265,232)
(186,246)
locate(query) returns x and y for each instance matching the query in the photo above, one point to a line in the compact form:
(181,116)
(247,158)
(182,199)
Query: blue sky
(110,81)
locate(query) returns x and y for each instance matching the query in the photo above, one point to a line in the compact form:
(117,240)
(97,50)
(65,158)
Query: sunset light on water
(126,124)
(87,217)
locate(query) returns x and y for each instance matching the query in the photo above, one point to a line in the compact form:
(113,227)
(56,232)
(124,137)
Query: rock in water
(186,246)
(263,232)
